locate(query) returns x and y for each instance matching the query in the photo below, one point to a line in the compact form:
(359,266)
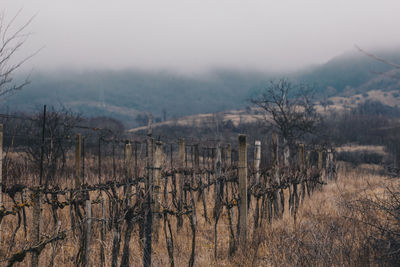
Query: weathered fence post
(36,226)
(330,166)
(102,233)
(275,149)
(128,161)
(158,153)
(218,175)
(295,197)
(242,173)
(316,184)
(88,228)
(286,153)
(37,200)
(277,180)
(78,160)
(228,155)
(320,160)
(196,157)
(88,210)
(301,157)
(99,160)
(218,194)
(230,210)
(128,172)
(180,178)
(257,160)
(148,224)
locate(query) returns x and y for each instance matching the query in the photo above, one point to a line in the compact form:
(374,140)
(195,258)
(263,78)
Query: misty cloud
(199,35)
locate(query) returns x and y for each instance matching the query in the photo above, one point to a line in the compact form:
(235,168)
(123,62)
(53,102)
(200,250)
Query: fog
(195,36)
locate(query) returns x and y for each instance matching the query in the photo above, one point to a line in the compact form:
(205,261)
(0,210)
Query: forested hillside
(127,95)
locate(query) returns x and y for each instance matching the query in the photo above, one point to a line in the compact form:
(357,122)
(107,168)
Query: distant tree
(11,41)
(289,108)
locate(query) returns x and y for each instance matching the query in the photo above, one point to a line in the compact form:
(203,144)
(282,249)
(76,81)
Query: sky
(196,36)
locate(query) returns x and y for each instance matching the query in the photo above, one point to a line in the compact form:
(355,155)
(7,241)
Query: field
(351,220)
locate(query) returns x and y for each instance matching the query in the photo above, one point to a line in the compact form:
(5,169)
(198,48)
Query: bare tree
(289,108)
(12,38)
(59,133)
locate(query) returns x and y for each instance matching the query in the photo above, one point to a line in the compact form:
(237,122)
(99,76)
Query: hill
(129,94)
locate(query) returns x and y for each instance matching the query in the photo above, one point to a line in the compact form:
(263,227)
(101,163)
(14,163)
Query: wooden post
(301,157)
(86,196)
(242,173)
(213,158)
(218,174)
(128,161)
(36,213)
(320,160)
(128,172)
(228,155)
(136,162)
(277,203)
(83,161)
(275,149)
(329,166)
(180,178)
(88,232)
(257,160)
(78,160)
(158,153)
(35,237)
(99,160)
(286,153)
(148,226)
(102,233)
(196,157)
(308,158)
(295,197)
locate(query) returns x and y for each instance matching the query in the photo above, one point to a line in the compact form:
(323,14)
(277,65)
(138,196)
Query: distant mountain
(125,95)
(346,73)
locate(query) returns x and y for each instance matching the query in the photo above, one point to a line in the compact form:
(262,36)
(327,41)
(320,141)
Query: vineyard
(110,199)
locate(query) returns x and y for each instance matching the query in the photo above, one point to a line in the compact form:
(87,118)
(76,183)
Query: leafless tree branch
(397,66)
(11,41)
(290,107)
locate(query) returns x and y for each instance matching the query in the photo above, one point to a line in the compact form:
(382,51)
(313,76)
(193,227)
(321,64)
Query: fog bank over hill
(129,94)
(195,36)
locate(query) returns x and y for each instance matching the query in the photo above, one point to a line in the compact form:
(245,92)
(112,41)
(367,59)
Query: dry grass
(329,231)
(362,148)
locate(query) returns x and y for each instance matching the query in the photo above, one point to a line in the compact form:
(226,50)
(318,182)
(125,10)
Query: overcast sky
(191,35)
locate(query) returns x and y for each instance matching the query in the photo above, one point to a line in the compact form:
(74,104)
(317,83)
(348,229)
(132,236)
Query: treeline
(370,123)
